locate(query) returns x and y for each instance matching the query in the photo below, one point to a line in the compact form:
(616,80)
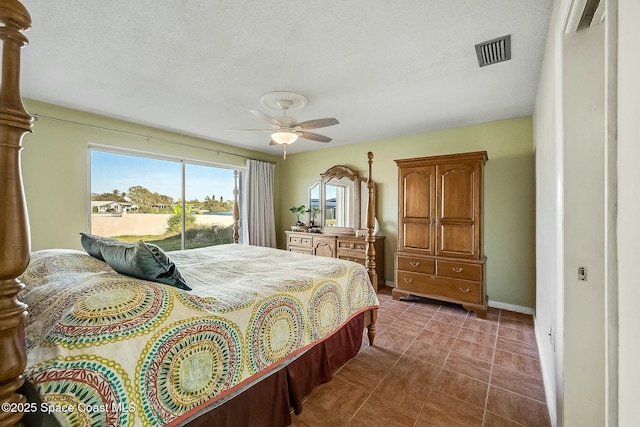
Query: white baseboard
(494,304)
(510,307)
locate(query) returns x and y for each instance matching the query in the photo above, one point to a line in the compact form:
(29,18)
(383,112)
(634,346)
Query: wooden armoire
(440,253)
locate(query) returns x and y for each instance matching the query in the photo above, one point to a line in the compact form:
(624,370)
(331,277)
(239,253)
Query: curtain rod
(37,117)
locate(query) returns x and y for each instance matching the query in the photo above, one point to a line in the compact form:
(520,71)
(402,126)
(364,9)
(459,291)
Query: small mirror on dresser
(314,205)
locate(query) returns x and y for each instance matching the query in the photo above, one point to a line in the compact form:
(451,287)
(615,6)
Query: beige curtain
(259,218)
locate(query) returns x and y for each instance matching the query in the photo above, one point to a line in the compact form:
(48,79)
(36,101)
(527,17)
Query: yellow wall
(509,194)
(56,182)
(54,164)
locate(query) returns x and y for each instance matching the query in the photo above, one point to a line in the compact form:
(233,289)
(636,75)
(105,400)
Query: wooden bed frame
(15,246)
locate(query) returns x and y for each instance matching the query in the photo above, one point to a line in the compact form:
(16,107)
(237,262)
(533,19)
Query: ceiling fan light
(284,138)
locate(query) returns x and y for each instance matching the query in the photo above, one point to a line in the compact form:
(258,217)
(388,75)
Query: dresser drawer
(301,250)
(349,257)
(358,245)
(300,241)
(450,289)
(459,270)
(414,264)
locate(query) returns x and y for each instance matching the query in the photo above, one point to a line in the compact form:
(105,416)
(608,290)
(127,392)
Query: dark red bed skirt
(268,403)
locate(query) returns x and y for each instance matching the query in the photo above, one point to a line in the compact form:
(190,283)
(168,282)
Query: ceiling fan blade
(267,118)
(249,130)
(318,123)
(313,136)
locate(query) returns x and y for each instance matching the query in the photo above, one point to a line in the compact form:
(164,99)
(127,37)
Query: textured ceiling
(382,68)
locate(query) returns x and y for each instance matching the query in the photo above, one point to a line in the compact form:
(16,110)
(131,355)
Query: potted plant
(298,210)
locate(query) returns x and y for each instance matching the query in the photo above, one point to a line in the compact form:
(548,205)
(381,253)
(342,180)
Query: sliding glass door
(209,205)
(171,202)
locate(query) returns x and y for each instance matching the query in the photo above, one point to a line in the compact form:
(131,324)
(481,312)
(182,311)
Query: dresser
(440,207)
(348,247)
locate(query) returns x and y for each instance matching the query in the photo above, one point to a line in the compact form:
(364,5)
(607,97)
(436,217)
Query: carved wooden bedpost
(14,226)
(370,262)
(371,218)
(236,209)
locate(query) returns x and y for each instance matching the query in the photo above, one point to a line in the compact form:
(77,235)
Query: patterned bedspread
(109,350)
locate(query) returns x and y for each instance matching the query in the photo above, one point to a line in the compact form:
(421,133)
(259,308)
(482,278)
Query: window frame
(183,161)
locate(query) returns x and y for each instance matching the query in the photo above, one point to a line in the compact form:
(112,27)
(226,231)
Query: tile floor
(436,365)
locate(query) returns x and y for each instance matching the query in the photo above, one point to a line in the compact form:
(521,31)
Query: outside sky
(110,171)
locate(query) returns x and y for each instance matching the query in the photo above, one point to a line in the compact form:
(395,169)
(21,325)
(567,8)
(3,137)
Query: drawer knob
(408,279)
(457,269)
(414,263)
(466,291)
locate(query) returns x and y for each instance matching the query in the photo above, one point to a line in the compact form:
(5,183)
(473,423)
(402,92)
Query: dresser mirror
(340,196)
(314,204)
(340,201)
(339,206)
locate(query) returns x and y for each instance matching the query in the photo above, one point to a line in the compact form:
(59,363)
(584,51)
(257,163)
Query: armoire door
(458,204)
(417,212)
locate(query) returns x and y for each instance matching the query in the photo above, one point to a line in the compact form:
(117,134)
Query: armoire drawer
(459,270)
(415,264)
(451,289)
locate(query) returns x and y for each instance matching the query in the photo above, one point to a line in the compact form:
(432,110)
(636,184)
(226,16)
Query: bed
(134,352)
(161,355)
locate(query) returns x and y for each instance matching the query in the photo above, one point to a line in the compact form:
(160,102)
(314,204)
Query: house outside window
(171,202)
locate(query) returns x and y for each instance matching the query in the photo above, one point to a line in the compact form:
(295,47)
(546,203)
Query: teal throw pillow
(143,261)
(92,243)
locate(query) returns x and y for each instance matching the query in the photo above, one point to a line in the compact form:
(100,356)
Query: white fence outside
(132,224)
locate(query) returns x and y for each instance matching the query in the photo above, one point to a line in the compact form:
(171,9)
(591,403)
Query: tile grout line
(405,351)
(367,399)
(441,368)
(390,370)
(521,395)
(502,388)
(493,360)
(492,364)
(424,404)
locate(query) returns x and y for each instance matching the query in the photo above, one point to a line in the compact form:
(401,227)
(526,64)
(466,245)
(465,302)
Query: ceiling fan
(285,129)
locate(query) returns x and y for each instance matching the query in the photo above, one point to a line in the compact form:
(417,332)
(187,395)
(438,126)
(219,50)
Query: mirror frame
(317,184)
(339,172)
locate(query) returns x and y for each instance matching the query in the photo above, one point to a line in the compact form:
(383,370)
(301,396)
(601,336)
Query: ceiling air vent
(494,51)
